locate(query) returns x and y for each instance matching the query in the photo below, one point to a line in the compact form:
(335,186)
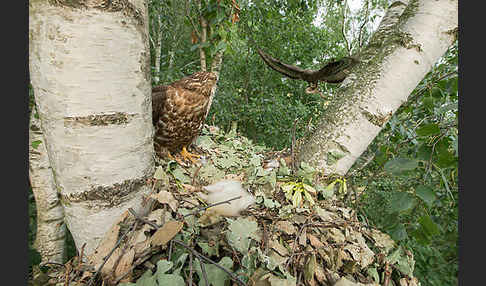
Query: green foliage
(415,198)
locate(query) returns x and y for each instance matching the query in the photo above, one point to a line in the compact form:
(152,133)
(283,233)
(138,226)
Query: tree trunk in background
(90,70)
(215,68)
(50,238)
(158,51)
(411,38)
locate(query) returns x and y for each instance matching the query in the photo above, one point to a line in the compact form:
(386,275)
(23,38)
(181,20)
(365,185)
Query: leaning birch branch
(411,38)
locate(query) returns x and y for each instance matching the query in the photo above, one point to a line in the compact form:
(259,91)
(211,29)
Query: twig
(343,26)
(190,269)
(295,242)
(171,244)
(68,270)
(190,20)
(81,255)
(203,270)
(360,44)
(212,205)
(200,256)
(195,175)
(137,216)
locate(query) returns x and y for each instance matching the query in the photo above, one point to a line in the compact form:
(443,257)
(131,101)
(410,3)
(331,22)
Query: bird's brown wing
(333,72)
(288,70)
(178,114)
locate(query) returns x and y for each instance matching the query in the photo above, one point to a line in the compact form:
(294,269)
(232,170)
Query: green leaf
(426,194)
(424,152)
(205,142)
(163,266)
(296,199)
(400,165)
(147,279)
(402,201)
(209,250)
(170,279)
(333,157)
(430,227)
(179,174)
(216,276)
(309,198)
(428,102)
(36,143)
(288,187)
(428,129)
(399,232)
(374,274)
(239,233)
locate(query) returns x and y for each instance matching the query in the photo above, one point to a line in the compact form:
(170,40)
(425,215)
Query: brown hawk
(179,110)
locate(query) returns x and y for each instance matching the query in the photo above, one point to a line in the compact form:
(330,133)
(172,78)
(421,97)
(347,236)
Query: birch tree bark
(411,38)
(50,238)
(89,66)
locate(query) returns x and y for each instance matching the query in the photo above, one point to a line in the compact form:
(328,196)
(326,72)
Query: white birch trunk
(411,38)
(50,238)
(215,68)
(158,51)
(90,70)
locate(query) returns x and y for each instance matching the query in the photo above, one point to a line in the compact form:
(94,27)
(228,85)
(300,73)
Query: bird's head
(201,82)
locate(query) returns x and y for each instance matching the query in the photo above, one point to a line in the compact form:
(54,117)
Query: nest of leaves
(297,233)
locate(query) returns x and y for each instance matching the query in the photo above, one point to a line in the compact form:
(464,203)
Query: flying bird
(179,110)
(332,72)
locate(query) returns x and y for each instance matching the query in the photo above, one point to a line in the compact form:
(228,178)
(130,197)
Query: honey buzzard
(179,110)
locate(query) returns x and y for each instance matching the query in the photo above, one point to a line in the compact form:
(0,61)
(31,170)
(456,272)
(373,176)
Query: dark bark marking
(118,118)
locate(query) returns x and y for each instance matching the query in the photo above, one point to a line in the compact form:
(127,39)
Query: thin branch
(190,268)
(137,216)
(190,20)
(343,27)
(203,270)
(367,15)
(212,205)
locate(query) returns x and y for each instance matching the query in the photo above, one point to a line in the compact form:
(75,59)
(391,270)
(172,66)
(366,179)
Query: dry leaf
(286,226)
(166,232)
(303,237)
(107,243)
(165,197)
(190,188)
(110,264)
(280,249)
(336,235)
(125,263)
(314,241)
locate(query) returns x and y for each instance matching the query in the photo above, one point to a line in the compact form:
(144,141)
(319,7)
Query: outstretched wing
(288,70)
(333,72)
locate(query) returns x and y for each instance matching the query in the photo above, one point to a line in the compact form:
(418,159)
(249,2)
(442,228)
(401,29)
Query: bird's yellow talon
(186,155)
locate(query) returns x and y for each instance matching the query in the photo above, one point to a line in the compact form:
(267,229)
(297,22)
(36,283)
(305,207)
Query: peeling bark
(90,70)
(50,239)
(411,38)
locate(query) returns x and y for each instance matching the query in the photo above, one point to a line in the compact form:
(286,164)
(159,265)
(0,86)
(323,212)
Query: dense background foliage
(406,180)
